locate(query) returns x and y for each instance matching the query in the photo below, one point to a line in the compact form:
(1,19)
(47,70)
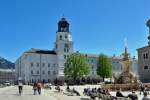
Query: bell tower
(63,25)
(63,44)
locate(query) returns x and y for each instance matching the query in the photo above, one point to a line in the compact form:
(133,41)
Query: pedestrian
(146,89)
(20,86)
(39,86)
(145,96)
(35,88)
(142,88)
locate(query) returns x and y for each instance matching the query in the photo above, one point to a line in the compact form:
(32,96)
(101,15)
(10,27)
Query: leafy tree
(104,67)
(76,66)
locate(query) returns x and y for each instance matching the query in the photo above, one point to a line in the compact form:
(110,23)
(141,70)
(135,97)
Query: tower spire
(148,25)
(125,54)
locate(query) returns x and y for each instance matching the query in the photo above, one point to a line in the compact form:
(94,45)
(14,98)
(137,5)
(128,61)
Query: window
(49,65)
(49,72)
(31,64)
(145,56)
(54,72)
(65,56)
(92,67)
(37,64)
(43,72)
(66,45)
(32,72)
(60,37)
(67,49)
(64,49)
(54,65)
(37,72)
(43,64)
(145,67)
(66,37)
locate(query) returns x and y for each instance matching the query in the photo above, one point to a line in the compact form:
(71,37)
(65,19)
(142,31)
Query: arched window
(60,37)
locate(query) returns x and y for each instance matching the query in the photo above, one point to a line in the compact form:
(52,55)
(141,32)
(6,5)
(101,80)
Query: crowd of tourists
(92,92)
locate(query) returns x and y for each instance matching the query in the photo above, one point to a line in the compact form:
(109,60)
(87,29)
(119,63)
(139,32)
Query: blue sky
(98,26)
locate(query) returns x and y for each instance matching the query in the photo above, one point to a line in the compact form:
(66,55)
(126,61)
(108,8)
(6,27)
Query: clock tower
(63,44)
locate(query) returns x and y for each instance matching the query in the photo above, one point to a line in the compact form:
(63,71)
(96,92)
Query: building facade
(144,60)
(7,75)
(47,65)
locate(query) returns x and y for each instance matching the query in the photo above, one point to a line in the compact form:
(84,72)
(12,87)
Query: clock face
(69,38)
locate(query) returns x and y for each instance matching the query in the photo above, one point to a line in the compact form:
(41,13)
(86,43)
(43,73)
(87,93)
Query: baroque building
(48,65)
(144,59)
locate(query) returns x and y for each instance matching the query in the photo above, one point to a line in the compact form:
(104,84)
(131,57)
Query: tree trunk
(103,79)
(74,80)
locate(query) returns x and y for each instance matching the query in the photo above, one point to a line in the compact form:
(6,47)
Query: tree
(104,67)
(76,66)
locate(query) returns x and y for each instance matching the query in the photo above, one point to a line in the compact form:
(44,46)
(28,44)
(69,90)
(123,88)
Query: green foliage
(76,66)
(104,67)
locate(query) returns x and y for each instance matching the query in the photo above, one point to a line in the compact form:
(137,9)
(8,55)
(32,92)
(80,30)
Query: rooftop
(39,51)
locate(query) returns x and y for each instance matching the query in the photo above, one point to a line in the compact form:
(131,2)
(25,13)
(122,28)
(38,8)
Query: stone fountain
(126,76)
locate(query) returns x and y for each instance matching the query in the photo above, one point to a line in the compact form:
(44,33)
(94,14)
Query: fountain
(126,76)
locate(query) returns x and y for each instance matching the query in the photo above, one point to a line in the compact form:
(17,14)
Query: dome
(148,23)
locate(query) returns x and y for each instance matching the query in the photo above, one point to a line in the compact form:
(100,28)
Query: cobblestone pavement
(11,93)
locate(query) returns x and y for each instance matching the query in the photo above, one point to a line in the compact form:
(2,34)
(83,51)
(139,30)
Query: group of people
(94,92)
(37,88)
(132,95)
(143,88)
(73,91)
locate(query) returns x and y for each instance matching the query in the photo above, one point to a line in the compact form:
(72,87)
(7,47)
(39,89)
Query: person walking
(35,88)
(20,86)
(142,88)
(39,86)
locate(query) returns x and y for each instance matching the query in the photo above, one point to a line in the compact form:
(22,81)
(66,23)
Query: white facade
(37,65)
(46,65)
(117,66)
